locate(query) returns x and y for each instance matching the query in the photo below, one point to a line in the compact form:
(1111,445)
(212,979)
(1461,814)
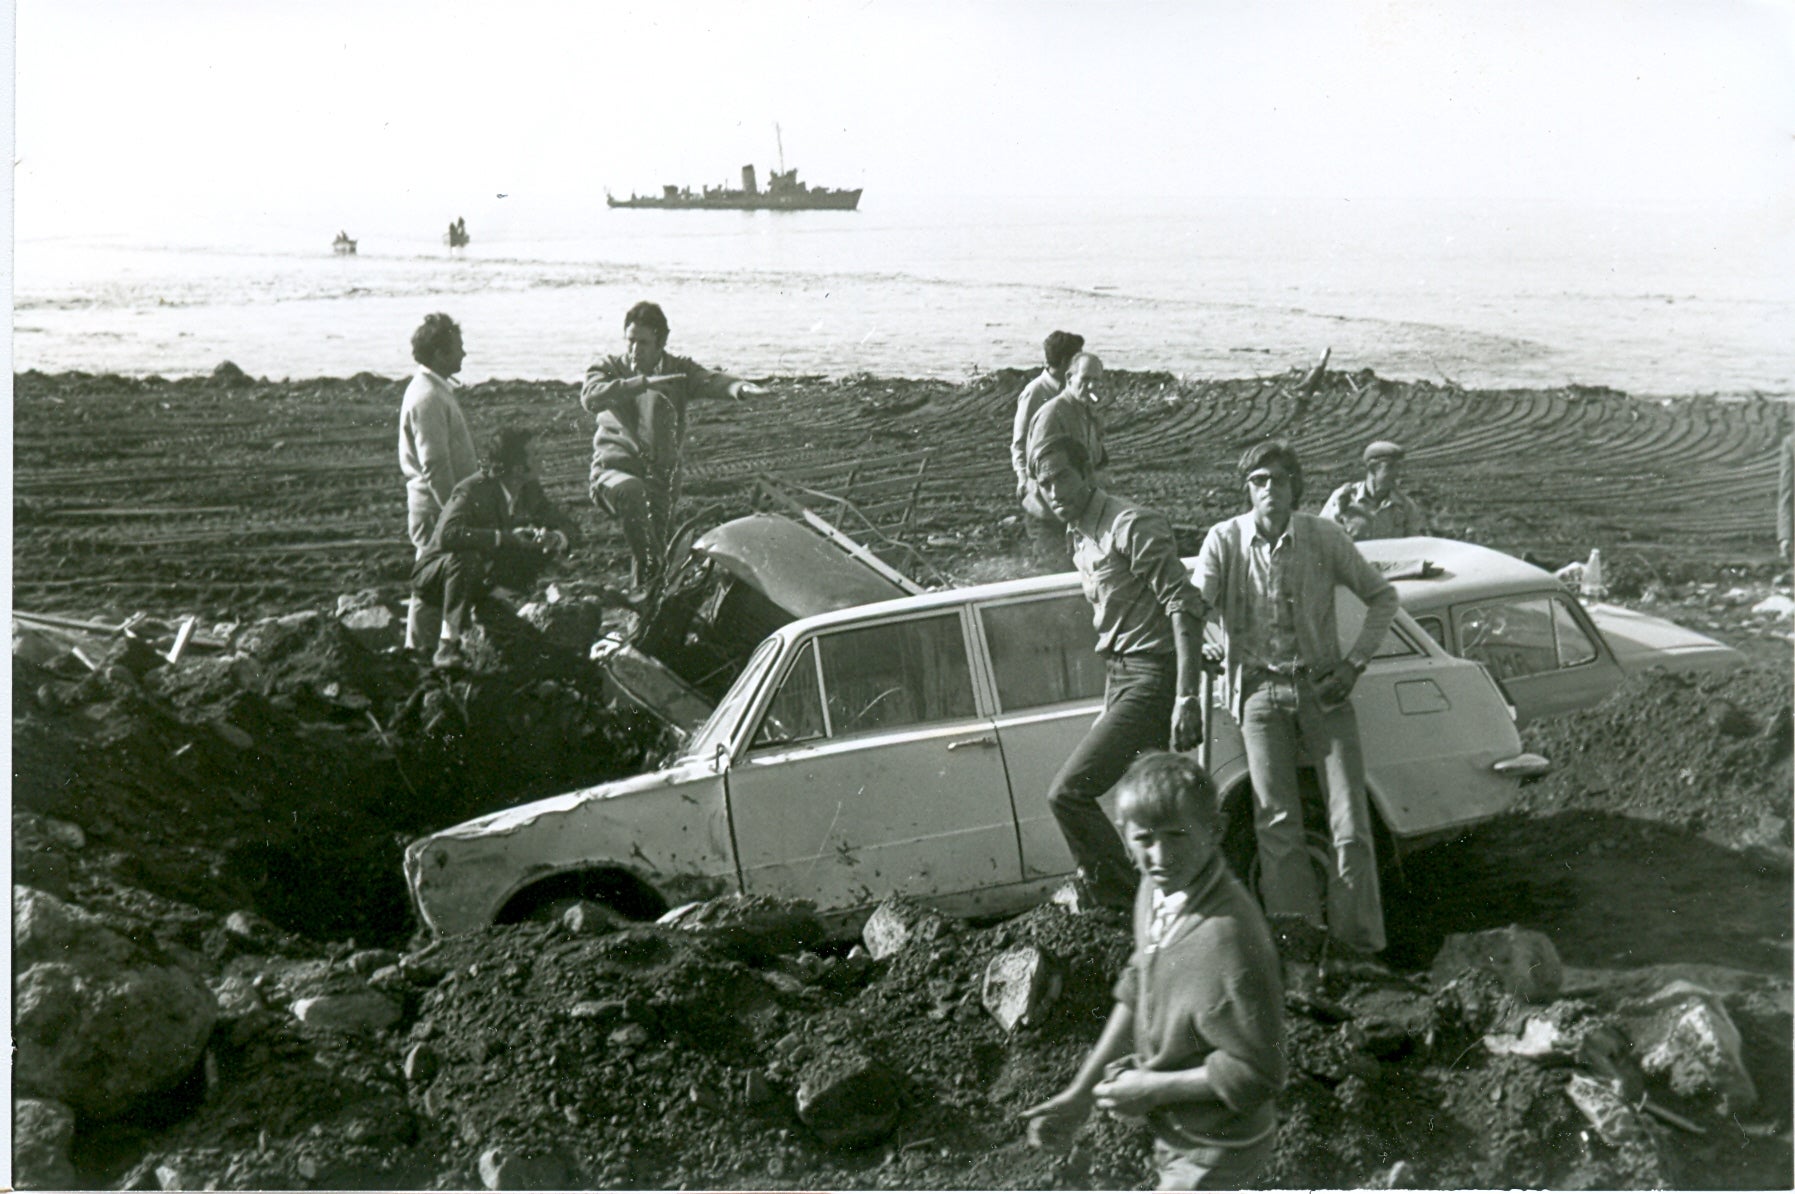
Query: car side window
(1044,652)
(1511,636)
(1574,646)
(1435,628)
(796,714)
(895,675)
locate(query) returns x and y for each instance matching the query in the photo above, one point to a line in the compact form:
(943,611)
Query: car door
(1431,727)
(1542,649)
(1049,684)
(872,771)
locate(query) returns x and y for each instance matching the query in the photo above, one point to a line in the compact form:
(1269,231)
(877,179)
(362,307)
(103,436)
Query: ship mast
(780,140)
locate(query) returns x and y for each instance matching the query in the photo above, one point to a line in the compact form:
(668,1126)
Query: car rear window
(1043,652)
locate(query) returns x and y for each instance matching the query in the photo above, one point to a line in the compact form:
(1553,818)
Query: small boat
(343,245)
(456,237)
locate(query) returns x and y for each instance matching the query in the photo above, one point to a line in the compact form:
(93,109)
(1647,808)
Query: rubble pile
(219,983)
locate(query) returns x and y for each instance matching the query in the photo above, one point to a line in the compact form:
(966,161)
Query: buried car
(1551,653)
(906,746)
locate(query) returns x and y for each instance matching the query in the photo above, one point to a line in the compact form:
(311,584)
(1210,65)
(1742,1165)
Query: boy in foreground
(1200,1005)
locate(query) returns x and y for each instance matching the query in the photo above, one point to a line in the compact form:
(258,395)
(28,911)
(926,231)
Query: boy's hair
(505,450)
(1060,347)
(1276,451)
(1161,788)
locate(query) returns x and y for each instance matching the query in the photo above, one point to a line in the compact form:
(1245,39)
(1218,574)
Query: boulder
(847,1099)
(41,1133)
(1020,986)
(100,1024)
(365,1012)
(366,961)
(1613,1117)
(1684,1036)
(348,603)
(376,627)
(753,929)
(511,1169)
(36,648)
(587,918)
(1523,961)
(897,922)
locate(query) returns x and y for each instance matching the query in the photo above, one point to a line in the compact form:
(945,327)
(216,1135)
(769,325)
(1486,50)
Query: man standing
(1046,534)
(1149,635)
(1270,575)
(497,531)
(640,399)
(436,451)
(1377,508)
(1071,415)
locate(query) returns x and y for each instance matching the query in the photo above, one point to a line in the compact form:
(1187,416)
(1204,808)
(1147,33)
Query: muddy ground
(285,786)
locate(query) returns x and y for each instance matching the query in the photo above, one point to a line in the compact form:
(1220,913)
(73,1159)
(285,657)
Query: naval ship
(784,193)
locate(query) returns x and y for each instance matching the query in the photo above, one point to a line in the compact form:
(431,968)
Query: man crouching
(497,530)
(1194,1042)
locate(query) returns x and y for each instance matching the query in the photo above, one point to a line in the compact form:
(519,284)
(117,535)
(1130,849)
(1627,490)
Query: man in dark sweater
(1194,1042)
(497,530)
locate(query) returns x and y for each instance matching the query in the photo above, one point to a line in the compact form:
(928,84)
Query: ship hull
(741,201)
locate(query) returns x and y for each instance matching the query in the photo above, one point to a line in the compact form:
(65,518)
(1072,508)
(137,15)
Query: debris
(503,1169)
(1684,1035)
(1020,986)
(897,922)
(1613,1119)
(847,1099)
(1524,961)
(363,1012)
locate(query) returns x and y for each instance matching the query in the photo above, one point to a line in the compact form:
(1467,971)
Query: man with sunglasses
(1270,575)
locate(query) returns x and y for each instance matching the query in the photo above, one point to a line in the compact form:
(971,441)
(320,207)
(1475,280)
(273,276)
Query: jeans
(1138,694)
(1276,715)
(1211,1168)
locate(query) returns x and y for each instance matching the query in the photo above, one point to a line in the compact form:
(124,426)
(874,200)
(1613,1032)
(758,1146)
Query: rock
(421,1064)
(375,627)
(1020,986)
(366,961)
(504,1169)
(1523,961)
(785,984)
(1538,1040)
(36,648)
(896,923)
(587,918)
(349,603)
(41,1133)
(752,929)
(1684,1035)
(228,374)
(237,996)
(758,1090)
(41,868)
(629,1037)
(100,1024)
(847,1099)
(1776,606)
(65,833)
(1613,1118)
(252,933)
(389,979)
(231,734)
(363,1012)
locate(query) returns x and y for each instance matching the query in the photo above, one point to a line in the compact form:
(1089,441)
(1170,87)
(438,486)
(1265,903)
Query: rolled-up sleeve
(1147,542)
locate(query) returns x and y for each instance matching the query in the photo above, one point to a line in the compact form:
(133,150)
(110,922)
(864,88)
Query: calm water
(1650,299)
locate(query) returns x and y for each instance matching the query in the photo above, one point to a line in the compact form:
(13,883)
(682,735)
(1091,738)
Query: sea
(1654,298)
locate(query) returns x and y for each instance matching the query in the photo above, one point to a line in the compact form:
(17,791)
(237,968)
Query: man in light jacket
(436,452)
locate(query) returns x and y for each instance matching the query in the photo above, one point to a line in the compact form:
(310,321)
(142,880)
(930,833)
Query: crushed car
(1551,653)
(906,744)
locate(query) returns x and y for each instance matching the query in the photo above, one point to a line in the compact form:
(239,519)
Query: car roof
(1458,570)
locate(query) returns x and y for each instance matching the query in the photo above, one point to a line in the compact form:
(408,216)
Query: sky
(131,113)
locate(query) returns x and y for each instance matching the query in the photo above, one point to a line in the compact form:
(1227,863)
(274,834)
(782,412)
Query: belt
(1301,671)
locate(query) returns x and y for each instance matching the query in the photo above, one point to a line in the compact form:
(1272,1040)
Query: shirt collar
(433,375)
(1259,535)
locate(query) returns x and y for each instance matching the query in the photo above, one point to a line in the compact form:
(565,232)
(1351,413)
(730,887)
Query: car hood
(792,566)
(1643,641)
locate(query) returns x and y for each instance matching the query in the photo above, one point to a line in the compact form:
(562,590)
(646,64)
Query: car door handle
(963,743)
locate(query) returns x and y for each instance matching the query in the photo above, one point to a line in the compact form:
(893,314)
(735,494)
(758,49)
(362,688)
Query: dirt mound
(1708,753)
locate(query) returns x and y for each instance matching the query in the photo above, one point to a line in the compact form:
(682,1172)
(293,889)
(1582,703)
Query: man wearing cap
(1270,575)
(1376,508)
(1047,534)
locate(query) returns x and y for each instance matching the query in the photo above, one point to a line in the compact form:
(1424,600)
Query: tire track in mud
(131,494)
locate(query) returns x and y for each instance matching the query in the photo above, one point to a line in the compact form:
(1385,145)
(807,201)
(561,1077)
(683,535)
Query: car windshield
(715,730)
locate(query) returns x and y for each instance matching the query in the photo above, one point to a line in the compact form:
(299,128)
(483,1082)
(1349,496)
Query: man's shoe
(448,654)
